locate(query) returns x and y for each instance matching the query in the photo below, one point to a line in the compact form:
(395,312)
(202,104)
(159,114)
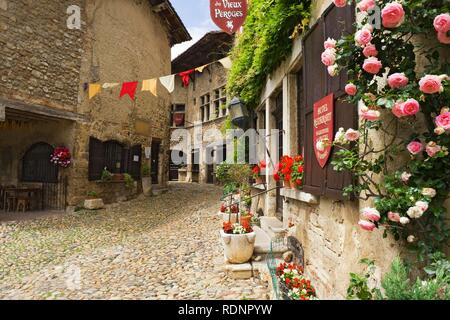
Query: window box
(300,196)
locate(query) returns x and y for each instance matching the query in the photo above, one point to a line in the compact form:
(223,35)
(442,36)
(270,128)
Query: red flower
(298,182)
(256,169)
(262,164)
(222,208)
(300,169)
(276,176)
(227,227)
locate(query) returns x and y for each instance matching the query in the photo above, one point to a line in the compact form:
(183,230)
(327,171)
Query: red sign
(228,15)
(323,128)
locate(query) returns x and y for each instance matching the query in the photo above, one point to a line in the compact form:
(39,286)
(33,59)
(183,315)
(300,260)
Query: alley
(165,247)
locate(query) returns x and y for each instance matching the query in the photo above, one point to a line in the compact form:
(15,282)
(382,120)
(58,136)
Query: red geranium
(283,169)
(298,170)
(227,227)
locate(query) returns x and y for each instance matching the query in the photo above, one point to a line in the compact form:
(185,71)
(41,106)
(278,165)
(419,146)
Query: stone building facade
(204,105)
(45,71)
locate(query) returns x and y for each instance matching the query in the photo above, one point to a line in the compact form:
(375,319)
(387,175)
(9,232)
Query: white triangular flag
(109,85)
(168,82)
(226,62)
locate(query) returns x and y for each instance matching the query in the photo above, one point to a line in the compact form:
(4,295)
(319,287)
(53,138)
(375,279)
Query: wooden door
(156,147)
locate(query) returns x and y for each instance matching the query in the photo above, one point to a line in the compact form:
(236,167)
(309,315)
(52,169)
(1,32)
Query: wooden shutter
(96,159)
(334,23)
(134,167)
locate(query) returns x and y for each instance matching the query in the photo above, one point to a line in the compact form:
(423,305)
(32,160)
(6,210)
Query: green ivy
(265,42)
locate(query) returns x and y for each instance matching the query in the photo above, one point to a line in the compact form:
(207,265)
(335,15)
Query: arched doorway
(36,165)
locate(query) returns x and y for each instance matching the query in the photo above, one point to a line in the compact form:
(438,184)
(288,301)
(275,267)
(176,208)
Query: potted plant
(283,171)
(293,284)
(106,175)
(245,217)
(297,172)
(238,241)
(129,181)
(61,157)
(93,202)
(146,179)
(257,172)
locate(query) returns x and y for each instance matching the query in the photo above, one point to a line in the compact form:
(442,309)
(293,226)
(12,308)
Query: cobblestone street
(166,247)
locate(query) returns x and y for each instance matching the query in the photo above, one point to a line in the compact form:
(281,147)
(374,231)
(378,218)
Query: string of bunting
(150,85)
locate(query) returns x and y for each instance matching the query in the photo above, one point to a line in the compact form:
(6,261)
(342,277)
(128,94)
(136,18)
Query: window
(220,102)
(195,160)
(114,161)
(205,102)
(36,165)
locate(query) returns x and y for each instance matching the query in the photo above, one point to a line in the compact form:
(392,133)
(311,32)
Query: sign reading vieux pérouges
(323,128)
(228,15)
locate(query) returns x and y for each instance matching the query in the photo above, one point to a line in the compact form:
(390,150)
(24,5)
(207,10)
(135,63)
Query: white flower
(411,238)
(429,192)
(414,212)
(333,70)
(404,220)
(423,205)
(405,176)
(339,138)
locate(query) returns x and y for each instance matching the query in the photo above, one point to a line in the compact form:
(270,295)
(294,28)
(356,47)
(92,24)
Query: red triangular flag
(185,77)
(129,88)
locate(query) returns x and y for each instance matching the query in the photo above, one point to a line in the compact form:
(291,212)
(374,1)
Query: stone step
(262,243)
(273,227)
(159,191)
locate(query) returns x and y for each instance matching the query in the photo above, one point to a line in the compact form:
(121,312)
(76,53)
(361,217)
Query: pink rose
(371,214)
(366,5)
(372,65)
(393,216)
(442,22)
(443,121)
(352,135)
(443,38)
(415,147)
(328,57)
(392,15)
(431,84)
(397,80)
(370,51)
(366,225)
(432,148)
(351,89)
(369,115)
(329,44)
(340,3)
(397,109)
(363,37)
(410,107)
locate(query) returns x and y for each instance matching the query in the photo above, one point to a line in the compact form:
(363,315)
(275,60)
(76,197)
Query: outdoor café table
(34,192)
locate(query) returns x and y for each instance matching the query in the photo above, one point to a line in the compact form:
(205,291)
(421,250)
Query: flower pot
(146,185)
(245,219)
(259,180)
(93,204)
(238,247)
(117,177)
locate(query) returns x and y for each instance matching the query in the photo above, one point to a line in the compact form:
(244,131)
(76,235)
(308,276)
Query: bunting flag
(168,82)
(185,77)
(226,62)
(150,85)
(94,89)
(109,85)
(129,88)
(200,69)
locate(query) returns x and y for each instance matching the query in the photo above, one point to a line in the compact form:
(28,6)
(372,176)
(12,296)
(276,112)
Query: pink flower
(371,214)
(432,148)
(372,65)
(370,51)
(443,121)
(397,80)
(351,89)
(333,70)
(340,3)
(328,57)
(329,44)
(352,135)
(363,37)
(397,109)
(423,205)
(431,84)
(393,216)
(405,177)
(366,5)
(415,147)
(443,38)
(410,107)
(366,225)
(442,22)
(392,15)
(369,115)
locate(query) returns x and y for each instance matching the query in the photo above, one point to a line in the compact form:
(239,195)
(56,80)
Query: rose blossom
(443,38)
(443,120)
(328,57)
(369,115)
(333,70)
(366,5)
(372,65)
(351,89)
(429,192)
(422,205)
(432,148)
(415,147)
(340,136)
(371,214)
(392,15)
(370,51)
(404,220)
(431,84)
(397,109)
(340,3)
(439,131)
(352,135)
(405,176)
(363,37)
(393,216)
(442,22)
(414,212)
(411,238)
(329,44)
(410,107)
(397,80)
(366,225)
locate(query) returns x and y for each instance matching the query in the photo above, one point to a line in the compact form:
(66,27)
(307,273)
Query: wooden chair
(11,200)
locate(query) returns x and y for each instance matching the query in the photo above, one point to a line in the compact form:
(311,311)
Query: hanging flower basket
(61,157)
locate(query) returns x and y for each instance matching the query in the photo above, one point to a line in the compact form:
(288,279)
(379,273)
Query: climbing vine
(399,77)
(265,41)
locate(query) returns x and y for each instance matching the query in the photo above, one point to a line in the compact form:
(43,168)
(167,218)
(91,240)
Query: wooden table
(33,192)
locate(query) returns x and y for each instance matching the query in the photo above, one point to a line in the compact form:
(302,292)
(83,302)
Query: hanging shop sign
(323,128)
(228,15)
(178,118)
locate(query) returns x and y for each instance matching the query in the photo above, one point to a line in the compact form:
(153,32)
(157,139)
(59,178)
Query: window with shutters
(317,84)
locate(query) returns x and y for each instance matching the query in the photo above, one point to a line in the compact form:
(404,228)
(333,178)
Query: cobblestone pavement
(165,247)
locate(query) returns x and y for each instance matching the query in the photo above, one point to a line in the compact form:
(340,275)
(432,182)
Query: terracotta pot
(287,184)
(245,218)
(117,177)
(238,247)
(259,180)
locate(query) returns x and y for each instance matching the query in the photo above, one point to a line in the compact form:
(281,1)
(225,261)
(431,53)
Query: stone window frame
(205,107)
(220,98)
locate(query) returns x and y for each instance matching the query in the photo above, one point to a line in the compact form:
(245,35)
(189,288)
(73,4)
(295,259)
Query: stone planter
(238,247)
(146,185)
(94,204)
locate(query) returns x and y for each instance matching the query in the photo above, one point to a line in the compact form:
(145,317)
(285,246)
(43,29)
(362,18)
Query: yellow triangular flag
(150,85)
(94,89)
(200,69)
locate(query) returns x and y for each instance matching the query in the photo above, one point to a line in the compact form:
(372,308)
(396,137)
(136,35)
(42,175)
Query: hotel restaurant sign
(228,15)
(323,128)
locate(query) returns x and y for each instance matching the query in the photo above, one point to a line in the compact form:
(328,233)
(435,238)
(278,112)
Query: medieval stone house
(45,70)
(201,106)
